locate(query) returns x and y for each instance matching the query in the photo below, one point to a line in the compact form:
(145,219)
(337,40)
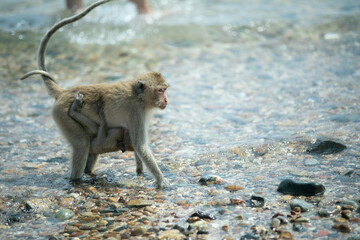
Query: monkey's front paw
(163,184)
(79,97)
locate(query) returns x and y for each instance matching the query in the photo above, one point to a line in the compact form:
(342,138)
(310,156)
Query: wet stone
(203,215)
(275,222)
(250,236)
(13,218)
(347,214)
(208,180)
(64,214)
(171,234)
(326,212)
(118,229)
(298,227)
(257,201)
(311,162)
(234,188)
(291,187)
(139,203)
(342,228)
(325,147)
(138,231)
(305,206)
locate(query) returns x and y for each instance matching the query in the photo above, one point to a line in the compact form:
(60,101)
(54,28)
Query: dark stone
(13,218)
(203,215)
(257,201)
(180,228)
(291,187)
(206,180)
(298,227)
(121,228)
(250,236)
(202,232)
(354,238)
(325,147)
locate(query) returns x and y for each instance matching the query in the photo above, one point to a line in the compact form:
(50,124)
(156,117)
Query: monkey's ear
(140,86)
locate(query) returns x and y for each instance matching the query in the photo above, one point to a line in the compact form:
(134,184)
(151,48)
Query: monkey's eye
(161,90)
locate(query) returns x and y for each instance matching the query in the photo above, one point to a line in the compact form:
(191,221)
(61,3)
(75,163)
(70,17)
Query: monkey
(124,104)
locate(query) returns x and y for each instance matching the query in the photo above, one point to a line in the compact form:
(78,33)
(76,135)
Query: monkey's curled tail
(50,83)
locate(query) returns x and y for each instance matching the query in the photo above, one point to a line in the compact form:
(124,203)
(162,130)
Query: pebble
(324,212)
(64,214)
(342,228)
(325,147)
(257,201)
(234,188)
(305,206)
(138,231)
(347,214)
(172,234)
(250,236)
(139,203)
(275,222)
(289,186)
(298,227)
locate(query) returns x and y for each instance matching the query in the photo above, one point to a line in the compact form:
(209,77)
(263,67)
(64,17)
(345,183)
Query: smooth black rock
(257,201)
(203,215)
(205,180)
(14,217)
(291,187)
(250,236)
(325,147)
(298,227)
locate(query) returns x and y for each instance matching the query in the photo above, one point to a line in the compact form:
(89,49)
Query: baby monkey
(104,139)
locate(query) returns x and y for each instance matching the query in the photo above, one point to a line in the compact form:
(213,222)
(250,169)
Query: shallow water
(252,84)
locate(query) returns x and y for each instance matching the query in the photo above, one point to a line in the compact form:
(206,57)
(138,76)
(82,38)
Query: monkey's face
(161,97)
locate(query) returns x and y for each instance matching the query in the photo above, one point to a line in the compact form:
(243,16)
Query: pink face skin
(162,98)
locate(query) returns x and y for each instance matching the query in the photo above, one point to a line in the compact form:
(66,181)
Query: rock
(64,214)
(138,231)
(139,203)
(88,226)
(305,206)
(225,228)
(285,235)
(347,214)
(291,187)
(342,228)
(354,238)
(311,162)
(324,212)
(120,228)
(171,234)
(298,227)
(340,220)
(208,180)
(275,222)
(234,188)
(257,201)
(199,225)
(302,220)
(235,201)
(38,204)
(13,218)
(351,203)
(203,215)
(250,236)
(325,147)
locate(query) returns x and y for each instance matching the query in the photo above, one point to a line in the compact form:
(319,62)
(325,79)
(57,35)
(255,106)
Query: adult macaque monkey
(126,105)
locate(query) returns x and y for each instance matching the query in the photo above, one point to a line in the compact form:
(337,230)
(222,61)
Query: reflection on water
(252,84)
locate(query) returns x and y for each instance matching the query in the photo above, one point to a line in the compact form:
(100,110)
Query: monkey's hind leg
(77,137)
